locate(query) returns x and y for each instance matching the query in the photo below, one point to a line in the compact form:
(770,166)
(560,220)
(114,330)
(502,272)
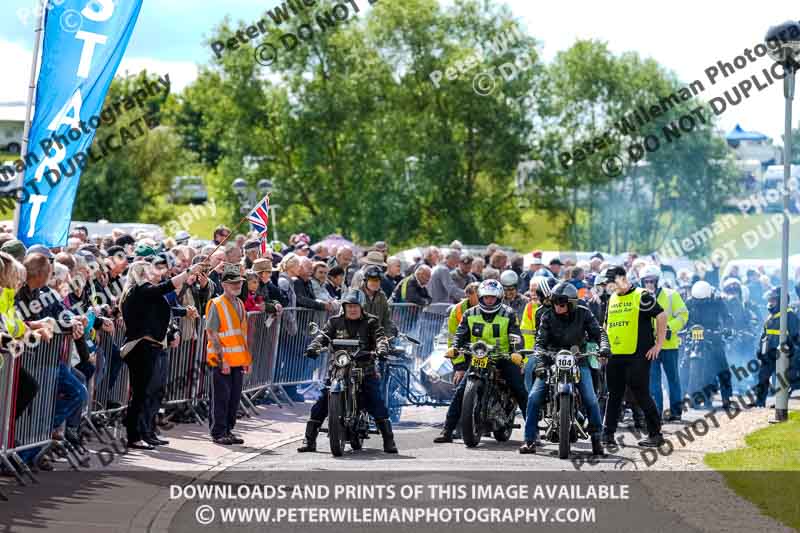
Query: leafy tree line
(358,140)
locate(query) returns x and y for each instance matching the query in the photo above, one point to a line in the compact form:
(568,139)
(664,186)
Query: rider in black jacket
(706,309)
(353,323)
(565,325)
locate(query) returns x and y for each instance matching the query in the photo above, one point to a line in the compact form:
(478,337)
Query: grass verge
(767,471)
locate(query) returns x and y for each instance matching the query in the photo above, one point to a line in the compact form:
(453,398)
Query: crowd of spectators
(76,291)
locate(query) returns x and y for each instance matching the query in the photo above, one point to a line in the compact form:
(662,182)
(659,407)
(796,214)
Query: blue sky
(686,36)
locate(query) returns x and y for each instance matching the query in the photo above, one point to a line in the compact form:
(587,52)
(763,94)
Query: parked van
(772,188)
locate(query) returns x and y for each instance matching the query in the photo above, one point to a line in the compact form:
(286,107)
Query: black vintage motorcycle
(488,405)
(347,420)
(698,344)
(563,414)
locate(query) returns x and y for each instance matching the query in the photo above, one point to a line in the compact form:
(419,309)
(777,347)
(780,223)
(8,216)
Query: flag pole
(231,233)
(39,32)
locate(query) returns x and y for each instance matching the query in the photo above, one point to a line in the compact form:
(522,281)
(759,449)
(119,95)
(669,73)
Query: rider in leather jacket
(353,323)
(565,325)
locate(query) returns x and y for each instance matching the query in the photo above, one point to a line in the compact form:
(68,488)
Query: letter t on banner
(84,41)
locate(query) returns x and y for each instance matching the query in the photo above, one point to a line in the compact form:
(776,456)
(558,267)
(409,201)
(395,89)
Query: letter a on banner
(83,45)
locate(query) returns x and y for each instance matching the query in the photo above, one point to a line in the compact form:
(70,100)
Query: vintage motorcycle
(563,415)
(488,405)
(347,420)
(698,342)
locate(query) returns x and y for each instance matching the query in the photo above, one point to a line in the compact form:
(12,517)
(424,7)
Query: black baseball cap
(556,261)
(613,271)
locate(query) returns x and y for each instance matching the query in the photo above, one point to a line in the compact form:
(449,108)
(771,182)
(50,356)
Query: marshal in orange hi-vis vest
(232,334)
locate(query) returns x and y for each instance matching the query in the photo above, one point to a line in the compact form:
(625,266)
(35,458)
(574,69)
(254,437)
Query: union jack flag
(259,216)
(264,244)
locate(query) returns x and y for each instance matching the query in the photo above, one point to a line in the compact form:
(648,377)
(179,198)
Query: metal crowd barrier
(111,380)
(183,362)
(276,343)
(291,366)
(33,429)
(262,340)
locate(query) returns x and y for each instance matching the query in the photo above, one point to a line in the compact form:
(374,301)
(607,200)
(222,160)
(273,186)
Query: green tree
(679,185)
(357,138)
(132,183)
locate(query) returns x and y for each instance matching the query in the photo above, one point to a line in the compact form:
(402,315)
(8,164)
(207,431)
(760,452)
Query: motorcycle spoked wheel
(472,413)
(564,425)
(336,431)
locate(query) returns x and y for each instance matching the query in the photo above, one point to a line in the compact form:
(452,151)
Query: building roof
(738,134)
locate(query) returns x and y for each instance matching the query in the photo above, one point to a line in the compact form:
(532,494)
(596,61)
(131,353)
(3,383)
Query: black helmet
(353,296)
(613,271)
(373,271)
(564,293)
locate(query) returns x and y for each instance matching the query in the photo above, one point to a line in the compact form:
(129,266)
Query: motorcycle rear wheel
(471,416)
(564,425)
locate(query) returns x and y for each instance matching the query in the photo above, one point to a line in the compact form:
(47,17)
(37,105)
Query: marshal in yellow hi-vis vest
(489,332)
(528,324)
(623,322)
(453,321)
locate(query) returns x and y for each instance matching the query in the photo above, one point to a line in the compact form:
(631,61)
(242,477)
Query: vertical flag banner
(84,41)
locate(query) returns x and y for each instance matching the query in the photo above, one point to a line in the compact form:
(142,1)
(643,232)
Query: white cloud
(16,71)
(181,73)
(17,64)
(685,36)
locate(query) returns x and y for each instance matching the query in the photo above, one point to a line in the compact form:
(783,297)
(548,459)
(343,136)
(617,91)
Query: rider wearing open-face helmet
(353,323)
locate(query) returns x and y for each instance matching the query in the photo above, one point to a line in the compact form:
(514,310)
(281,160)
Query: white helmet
(490,287)
(509,278)
(702,290)
(650,271)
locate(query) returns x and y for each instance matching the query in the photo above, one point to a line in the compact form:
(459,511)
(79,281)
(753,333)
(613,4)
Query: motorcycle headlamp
(342,359)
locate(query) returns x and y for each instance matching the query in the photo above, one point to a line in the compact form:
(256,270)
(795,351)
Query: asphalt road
(420,425)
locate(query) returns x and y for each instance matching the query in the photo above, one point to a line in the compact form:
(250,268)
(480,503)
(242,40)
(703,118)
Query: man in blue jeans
(677,316)
(562,326)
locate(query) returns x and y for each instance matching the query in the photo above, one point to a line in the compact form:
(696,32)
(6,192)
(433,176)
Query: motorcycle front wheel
(564,424)
(336,431)
(471,416)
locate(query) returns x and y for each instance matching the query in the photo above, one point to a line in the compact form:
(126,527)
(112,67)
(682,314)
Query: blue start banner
(84,41)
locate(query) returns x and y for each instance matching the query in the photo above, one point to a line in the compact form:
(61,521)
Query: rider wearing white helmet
(511,297)
(710,312)
(493,323)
